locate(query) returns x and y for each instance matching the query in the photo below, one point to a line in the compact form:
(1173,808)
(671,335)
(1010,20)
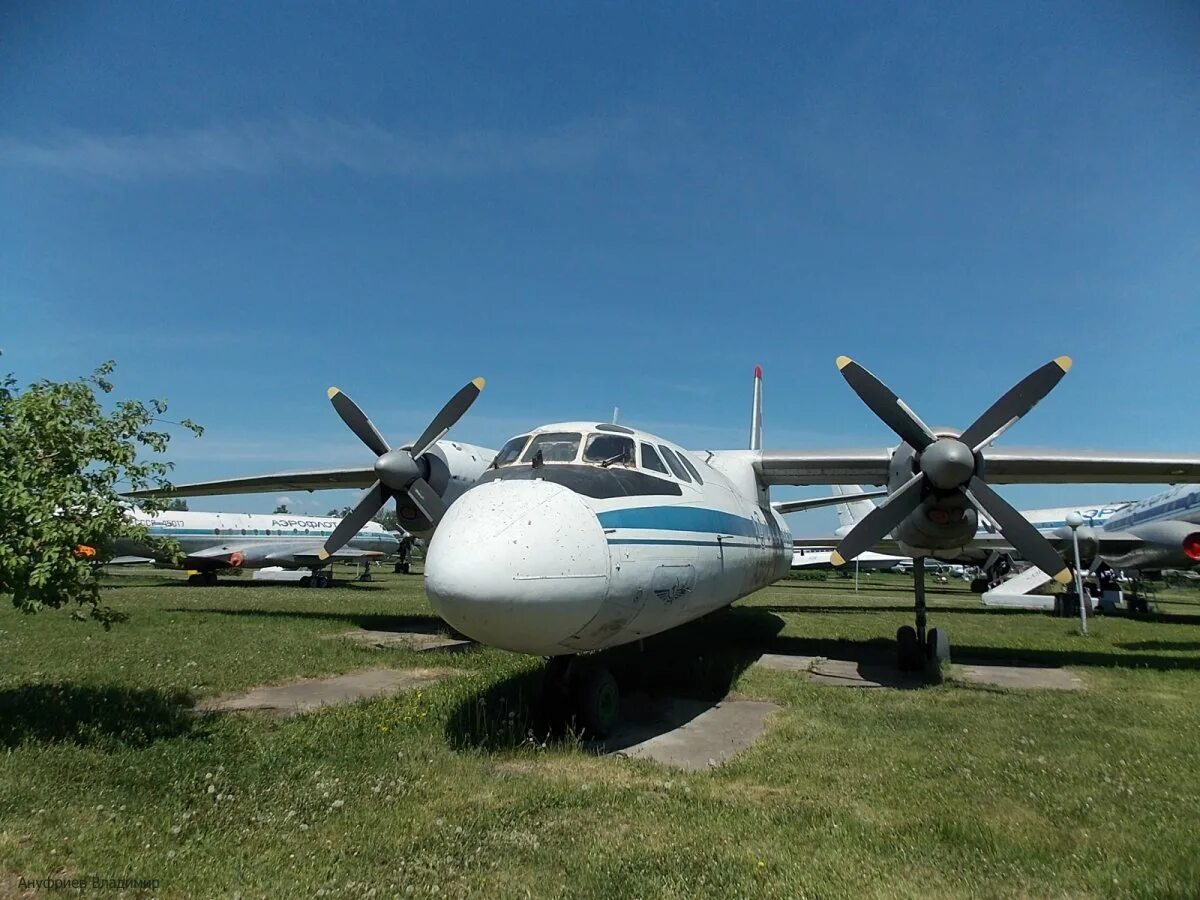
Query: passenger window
(691,468)
(669,455)
(555,446)
(651,461)
(509,452)
(608,449)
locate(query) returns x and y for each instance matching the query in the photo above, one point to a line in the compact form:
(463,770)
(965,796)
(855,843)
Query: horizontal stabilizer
(783,507)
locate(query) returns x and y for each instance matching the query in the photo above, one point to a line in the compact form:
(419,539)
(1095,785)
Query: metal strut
(919,593)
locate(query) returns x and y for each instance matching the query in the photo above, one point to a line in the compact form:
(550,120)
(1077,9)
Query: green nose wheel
(597,702)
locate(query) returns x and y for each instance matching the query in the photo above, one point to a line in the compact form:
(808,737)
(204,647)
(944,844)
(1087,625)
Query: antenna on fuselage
(616,414)
(756,412)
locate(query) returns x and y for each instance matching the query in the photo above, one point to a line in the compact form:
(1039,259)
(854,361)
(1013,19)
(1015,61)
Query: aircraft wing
(303,553)
(309,555)
(315,480)
(1004,466)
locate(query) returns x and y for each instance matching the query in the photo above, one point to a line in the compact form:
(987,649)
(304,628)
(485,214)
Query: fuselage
(259,539)
(584,536)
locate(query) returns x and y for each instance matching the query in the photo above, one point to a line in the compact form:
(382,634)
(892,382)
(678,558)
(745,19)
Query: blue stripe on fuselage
(681,518)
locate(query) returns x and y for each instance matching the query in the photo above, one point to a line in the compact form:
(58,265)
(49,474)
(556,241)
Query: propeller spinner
(401,472)
(951,467)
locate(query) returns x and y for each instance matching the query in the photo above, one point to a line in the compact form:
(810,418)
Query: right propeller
(947,471)
(401,472)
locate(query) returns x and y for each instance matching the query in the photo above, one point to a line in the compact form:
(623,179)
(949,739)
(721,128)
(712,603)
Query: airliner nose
(521,565)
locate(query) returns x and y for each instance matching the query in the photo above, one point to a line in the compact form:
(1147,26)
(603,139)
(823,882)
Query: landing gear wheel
(910,654)
(196,579)
(306,581)
(937,645)
(597,701)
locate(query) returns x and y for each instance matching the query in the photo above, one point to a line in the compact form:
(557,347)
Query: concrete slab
(420,641)
(854,674)
(312,693)
(1024,677)
(692,735)
(784,663)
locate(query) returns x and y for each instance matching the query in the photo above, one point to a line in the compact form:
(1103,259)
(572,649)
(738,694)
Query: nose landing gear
(581,694)
(916,647)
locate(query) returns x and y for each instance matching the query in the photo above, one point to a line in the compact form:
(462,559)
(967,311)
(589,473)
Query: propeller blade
(1017,530)
(427,500)
(368,505)
(1019,400)
(358,422)
(890,408)
(875,527)
(451,413)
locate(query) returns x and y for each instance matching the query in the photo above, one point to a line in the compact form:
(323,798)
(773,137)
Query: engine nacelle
(1168,545)
(945,521)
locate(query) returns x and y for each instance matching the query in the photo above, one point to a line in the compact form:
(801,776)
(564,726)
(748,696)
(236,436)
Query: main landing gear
(320,578)
(581,693)
(207,578)
(917,647)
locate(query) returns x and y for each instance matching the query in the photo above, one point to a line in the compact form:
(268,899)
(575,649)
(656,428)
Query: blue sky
(605,204)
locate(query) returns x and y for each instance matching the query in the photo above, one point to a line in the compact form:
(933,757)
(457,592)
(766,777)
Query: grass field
(950,790)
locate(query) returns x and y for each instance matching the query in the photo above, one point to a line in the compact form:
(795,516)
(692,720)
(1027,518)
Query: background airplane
(580,536)
(215,542)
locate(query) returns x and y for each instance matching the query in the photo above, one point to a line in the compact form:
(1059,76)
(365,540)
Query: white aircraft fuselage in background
(573,555)
(219,540)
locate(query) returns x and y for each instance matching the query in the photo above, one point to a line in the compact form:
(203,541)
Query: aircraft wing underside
(316,480)
(299,554)
(1004,466)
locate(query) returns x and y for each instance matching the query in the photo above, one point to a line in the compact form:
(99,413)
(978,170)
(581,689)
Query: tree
(176,505)
(280,510)
(340,513)
(64,458)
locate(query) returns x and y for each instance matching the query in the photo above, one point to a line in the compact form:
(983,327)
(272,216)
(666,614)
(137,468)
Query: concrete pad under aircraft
(309,694)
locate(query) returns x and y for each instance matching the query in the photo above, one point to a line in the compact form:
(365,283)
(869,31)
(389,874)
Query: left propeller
(401,472)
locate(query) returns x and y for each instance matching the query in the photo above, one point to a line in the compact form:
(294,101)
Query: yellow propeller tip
(332,392)
(1064,576)
(1064,363)
(479,383)
(842,362)
(322,554)
(835,558)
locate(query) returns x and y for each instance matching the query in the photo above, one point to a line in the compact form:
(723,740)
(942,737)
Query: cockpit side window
(555,446)
(509,452)
(669,455)
(691,468)
(609,450)
(651,461)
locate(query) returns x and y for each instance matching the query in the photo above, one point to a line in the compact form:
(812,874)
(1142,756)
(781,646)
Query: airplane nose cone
(521,565)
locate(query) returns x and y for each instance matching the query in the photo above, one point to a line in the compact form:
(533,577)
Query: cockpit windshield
(554,446)
(609,450)
(509,452)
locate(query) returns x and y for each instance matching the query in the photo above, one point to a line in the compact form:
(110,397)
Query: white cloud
(312,143)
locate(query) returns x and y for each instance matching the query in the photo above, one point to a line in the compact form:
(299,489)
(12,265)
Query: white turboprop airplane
(215,542)
(581,536)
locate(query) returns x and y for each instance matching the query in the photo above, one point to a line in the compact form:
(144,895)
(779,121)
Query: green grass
(951,790)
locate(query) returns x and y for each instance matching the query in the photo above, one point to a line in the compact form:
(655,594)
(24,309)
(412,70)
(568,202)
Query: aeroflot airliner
(215,542)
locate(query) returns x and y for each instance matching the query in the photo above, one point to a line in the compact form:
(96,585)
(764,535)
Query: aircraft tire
(910,655)
(937,645)
(306,581)
(597,701)
(195,580)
